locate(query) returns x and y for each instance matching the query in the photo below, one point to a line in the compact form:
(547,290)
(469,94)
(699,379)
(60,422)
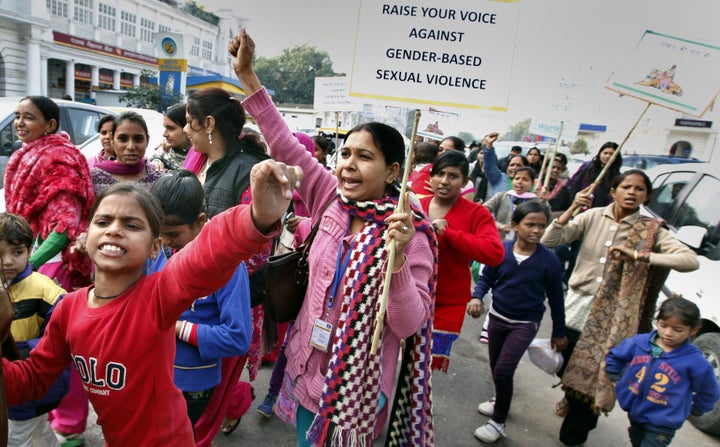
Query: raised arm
(321,184)
(490,165)
(242,50)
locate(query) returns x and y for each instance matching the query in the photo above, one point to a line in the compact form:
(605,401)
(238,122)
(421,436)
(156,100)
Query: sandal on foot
(228,426)
(70,440)
(562,407)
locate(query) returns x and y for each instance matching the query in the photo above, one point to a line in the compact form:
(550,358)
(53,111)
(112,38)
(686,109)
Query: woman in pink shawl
(48,183)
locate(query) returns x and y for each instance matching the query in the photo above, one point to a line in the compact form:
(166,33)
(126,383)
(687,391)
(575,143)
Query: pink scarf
(47,181)
(194,161)
(559,183)
(50,171)
(117,168)
(526,195)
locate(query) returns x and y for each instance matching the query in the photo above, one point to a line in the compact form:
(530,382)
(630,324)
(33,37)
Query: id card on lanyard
(322,330)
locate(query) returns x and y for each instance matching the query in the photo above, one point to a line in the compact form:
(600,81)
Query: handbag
(287,279)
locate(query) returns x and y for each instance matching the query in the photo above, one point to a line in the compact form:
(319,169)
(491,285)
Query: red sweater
(471,234)
(124,350)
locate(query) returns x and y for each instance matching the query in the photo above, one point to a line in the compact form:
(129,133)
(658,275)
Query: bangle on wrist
(635,255)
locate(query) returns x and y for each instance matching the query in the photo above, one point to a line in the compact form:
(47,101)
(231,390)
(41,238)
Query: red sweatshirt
(124,350)
(471,234)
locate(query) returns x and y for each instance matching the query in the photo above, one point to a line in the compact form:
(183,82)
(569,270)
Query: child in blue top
(215,326)
(529,273)
(662,378)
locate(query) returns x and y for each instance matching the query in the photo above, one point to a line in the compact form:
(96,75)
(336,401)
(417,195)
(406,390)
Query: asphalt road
(532,421)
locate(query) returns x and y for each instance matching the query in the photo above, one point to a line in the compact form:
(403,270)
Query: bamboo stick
(546,183)
(379,322)
(614,156)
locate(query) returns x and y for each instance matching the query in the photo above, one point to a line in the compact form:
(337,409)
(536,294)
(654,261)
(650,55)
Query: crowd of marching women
(138,280)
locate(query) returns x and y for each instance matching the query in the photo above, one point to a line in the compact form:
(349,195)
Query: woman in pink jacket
(336,390)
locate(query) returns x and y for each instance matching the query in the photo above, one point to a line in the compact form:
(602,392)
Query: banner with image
(437,125)
(672,72)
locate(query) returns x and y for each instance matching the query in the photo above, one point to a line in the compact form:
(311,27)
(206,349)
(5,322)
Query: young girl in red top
(120,332)
(466,232)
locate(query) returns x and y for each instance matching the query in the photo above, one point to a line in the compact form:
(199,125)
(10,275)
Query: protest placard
(551,129)
(673,72)
(332,95)
(453,53)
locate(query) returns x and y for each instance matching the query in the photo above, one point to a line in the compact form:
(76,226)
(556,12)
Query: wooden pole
(548,168)
(614,156)
(337,137)
(379,322)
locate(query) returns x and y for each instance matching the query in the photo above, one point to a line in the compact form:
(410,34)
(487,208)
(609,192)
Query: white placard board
(570,98)
(672,72)
(437,125)
(550,128)
(455,53)
(332,95)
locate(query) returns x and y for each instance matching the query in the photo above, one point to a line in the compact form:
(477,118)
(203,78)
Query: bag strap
(305,246)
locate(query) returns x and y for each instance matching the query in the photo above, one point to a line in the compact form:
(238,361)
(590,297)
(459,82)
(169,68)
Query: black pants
(196,403)
(580,418)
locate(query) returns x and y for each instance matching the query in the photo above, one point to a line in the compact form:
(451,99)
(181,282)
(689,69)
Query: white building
(93,50)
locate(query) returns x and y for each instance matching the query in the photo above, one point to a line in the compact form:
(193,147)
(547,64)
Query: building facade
(94,50)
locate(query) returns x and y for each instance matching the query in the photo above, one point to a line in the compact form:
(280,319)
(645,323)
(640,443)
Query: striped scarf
(349,400)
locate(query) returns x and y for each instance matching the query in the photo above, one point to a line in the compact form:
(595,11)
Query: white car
(78,119)
(686,195)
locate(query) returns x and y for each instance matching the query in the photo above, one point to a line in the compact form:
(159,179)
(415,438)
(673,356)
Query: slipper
(70,440)
(228,427)
(562,407)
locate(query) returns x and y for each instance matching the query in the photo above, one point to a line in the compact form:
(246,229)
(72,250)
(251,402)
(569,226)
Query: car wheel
(709,344)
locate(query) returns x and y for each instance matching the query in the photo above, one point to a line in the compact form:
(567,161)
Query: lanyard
(340,267)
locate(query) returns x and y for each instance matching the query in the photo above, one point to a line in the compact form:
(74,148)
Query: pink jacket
(409,300)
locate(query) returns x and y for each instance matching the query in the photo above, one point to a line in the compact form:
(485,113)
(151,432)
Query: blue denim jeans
(645,437)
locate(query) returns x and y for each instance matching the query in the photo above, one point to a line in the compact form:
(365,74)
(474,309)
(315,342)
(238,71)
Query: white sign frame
(550,129)
(423,53)
(332,95)
(672,72)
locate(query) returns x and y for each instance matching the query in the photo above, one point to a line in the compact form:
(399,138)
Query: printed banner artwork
(455,53)
(672,72)
(437,125)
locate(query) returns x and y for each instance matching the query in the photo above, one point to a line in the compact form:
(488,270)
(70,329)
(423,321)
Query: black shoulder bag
(287,280)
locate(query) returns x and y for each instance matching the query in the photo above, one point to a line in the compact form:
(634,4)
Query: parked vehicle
(650,161)
(685,195)
(79,120)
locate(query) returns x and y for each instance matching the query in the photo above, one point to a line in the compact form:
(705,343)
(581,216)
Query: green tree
(148,95)
(518,132)
(467,137)
(199,11)
(292,74)
(580,146)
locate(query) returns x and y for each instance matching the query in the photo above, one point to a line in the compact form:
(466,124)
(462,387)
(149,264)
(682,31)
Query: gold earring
(210,137)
